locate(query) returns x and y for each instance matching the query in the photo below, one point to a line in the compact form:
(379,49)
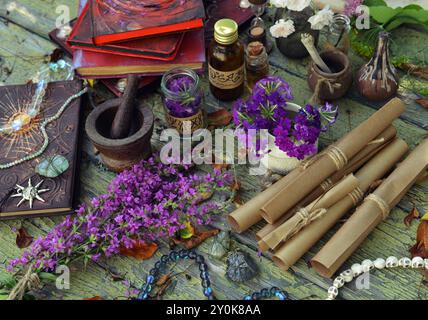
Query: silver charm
(29,193)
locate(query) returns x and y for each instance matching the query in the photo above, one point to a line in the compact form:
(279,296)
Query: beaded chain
(367,265)
(205,278)
(44,133)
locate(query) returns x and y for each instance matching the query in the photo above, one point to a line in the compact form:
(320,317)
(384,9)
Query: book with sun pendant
(43,185)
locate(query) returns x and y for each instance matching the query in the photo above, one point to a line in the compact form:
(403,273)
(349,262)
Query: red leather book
(121,20)
(159,48)
(102,65)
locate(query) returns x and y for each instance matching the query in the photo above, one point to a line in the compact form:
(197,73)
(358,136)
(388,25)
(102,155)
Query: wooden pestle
(308,42)
(123,119)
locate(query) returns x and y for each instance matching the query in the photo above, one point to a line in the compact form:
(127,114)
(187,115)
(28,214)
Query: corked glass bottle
(256,63)
(226,62)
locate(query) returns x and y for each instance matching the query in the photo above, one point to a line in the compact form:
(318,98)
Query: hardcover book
(101,65)
(159,48)
(121,20)
(63,140)
(111,84)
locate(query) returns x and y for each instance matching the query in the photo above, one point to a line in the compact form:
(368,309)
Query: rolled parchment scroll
(331,161)
(375,208)
(375,169)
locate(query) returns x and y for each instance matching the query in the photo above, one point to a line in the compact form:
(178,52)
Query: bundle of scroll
(304,205)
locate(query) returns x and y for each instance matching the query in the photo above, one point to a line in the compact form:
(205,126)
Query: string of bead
(183,254)
(44,133)
(367,265)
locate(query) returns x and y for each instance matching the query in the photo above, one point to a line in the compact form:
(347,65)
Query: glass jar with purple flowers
(183,100)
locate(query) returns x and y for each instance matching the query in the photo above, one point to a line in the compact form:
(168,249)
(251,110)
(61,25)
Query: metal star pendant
(29,193)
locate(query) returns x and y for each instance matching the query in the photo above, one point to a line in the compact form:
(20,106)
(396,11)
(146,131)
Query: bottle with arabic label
(226,62)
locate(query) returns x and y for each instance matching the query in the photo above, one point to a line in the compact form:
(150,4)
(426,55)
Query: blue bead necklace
(205,278)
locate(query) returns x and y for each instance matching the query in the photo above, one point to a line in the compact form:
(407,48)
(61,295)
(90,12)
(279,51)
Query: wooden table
(24,27)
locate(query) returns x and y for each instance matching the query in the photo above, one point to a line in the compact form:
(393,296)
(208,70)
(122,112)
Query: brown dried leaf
(163,279)
(197,239)
(420,249)
(140,250)
(236,186)
(23,239)
(423,102)
(220,166)
(414,214)
(93,298)
(219,118)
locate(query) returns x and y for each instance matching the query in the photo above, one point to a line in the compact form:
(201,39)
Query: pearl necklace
(44,133)
(367,265)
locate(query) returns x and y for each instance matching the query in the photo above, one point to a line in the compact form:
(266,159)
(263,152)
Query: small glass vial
(338,35)
(226,62)
(256,63)
(183,99)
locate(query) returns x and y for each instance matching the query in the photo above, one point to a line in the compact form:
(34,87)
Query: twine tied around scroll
(306,217)
(384,207)
(334,153)
(28,282)
(327,184)
(356,195)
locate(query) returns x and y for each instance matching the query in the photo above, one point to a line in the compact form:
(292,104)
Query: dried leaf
(163,279)
(236,186)
(420,249)
(197,239)
(220,166)
(203,196)
(23,239)
(140,250)
(94,298)
(423,102)
(219,118)
(414,214)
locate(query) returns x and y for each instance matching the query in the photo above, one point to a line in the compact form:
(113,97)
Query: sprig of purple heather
(189,99)
(266,109)
(150,201)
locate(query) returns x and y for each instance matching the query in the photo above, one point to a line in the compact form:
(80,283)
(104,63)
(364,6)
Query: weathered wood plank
(40,17)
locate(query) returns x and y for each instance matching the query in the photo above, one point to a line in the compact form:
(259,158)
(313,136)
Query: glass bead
(247,298)
(192,254)
(264,293)
(255,296)
(208,291)
(153,271)
(200,259)
(61,64)
(150,279)
(53,67)
(164,259)
(183,254)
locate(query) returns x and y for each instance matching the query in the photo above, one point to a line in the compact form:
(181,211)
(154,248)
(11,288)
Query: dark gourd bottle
(226,62)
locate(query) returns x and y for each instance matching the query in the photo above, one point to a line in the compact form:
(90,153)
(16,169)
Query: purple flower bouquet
(267,109)
(150,201)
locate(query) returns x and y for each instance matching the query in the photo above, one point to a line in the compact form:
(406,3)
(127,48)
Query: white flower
(282,28)
(244,4)
(322,19)
(279,3)
(298,5)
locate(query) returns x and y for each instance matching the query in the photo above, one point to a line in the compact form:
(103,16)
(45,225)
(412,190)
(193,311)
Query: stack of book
(111,39)
(114,38)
